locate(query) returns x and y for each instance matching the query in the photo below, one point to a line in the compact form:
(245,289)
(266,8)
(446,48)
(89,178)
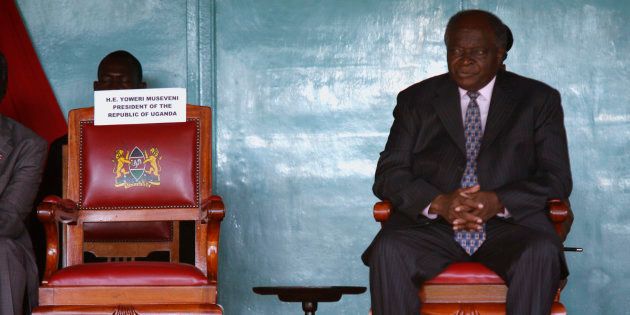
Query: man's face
(472,54)
(117,75)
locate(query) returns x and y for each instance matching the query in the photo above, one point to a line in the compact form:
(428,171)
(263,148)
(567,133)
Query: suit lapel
(448,108)
(502,106)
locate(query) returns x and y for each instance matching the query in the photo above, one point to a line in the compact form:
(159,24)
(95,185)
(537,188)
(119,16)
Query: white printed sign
(142,106)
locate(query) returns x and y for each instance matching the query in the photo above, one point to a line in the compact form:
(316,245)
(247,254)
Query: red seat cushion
(466,273)
(129,274)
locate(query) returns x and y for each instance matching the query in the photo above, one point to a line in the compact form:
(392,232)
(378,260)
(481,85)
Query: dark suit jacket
(22,155)
(523,155)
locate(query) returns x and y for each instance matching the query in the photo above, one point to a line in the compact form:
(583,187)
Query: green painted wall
(303,92)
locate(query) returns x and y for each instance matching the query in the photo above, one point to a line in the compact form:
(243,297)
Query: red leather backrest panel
(139,166)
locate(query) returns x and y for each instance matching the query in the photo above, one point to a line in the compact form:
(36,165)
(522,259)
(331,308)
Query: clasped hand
(467,208)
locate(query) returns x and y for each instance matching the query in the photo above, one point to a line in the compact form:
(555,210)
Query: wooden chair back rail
(175,214)
(129,250)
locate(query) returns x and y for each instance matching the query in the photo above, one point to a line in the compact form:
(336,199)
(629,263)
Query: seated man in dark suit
(22,155)
(471,159)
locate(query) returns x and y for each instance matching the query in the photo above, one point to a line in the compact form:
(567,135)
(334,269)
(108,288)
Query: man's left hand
(486,204)
(490,204)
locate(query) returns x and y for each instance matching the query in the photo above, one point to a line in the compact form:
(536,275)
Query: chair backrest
(149,172)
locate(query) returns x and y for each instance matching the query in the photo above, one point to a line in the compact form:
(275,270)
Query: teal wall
(173,40)
(303,93)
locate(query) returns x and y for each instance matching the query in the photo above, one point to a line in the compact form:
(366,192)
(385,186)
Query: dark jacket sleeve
(552,177)
(394,179)
(16,199)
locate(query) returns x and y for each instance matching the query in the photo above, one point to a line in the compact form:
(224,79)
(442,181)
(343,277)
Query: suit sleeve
(394,179)
(16,201)
(552,176)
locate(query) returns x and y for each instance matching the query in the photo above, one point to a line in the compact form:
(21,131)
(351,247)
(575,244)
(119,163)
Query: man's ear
(500,54)
(142,85)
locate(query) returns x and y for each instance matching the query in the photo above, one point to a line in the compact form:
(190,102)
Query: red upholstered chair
(133,173)
(470,288)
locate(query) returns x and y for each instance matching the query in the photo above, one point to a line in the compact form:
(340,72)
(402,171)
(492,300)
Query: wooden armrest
(50,211)
(215,210)
(561,216)
(60,210)
(382,211)
(558,210)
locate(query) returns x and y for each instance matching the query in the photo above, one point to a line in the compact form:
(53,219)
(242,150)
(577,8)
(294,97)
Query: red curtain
(29,99)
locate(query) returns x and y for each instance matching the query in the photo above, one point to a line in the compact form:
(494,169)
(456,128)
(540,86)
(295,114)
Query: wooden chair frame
(207,219)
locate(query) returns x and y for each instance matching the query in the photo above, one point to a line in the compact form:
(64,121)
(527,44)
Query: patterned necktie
(471,240)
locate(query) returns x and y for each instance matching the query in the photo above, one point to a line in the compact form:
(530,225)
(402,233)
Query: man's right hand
(456,208)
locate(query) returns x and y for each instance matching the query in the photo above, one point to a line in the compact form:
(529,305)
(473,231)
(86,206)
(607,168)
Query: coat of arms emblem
(137,168)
